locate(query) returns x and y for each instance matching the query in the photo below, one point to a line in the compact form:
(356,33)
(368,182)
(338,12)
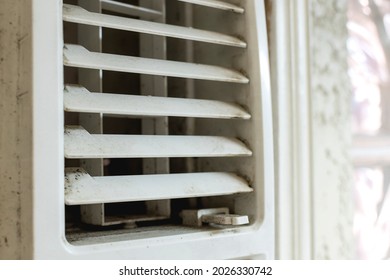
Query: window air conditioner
(167,148)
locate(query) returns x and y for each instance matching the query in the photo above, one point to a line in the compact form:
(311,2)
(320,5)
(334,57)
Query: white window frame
(291,85)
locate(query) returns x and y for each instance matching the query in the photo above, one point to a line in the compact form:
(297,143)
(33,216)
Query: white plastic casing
(49,242)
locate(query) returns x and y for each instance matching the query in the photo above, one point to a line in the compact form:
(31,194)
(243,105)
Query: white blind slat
(79,99)
(81,188)
(80,144)
(78,56)
(79,15)
(128,9)
(217,5)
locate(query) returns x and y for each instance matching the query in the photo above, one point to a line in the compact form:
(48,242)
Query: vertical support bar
(190,90)
(47,187)
(289,26)
(302,146)
(190,86)
(91,38)
(155,47)
(279,22)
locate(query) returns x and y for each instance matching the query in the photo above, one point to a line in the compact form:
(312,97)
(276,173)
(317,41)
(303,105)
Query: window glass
(369,53)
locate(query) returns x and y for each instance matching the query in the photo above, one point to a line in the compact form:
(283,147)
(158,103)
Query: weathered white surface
(311,105)
(331,132)
(130,10)
(77,56)
(79,99)
(217,5)
(80,144)
(81,188)
(77,14)
(15,130)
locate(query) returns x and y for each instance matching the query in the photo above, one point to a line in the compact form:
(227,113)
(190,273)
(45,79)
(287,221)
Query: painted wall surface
(311,103)
(331,134)
(15,128)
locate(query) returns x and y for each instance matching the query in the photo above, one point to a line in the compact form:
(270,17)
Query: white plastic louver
(220,86)
(217,4)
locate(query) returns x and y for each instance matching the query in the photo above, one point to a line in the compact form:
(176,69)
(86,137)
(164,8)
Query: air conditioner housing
(53,234)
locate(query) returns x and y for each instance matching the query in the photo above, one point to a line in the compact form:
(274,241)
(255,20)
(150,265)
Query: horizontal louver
(81,188)
(130,10)
(80,144)
(78,56)
(217,5)
(80,15)
(79,99)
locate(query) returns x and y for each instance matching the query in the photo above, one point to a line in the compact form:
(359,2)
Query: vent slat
(79,15)
(78,56)
(81,188)
(128,9)
(79,99)
(217,5)
(80,144)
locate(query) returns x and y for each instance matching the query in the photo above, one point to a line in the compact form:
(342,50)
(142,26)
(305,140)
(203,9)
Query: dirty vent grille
(205,143)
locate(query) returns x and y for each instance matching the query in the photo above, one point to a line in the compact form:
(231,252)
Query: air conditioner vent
(166,111)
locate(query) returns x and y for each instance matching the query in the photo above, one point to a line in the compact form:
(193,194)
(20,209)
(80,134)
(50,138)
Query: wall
(331,134)
(311,99)
(15,127)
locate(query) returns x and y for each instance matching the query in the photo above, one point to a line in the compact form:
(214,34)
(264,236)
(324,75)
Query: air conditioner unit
(152,130)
